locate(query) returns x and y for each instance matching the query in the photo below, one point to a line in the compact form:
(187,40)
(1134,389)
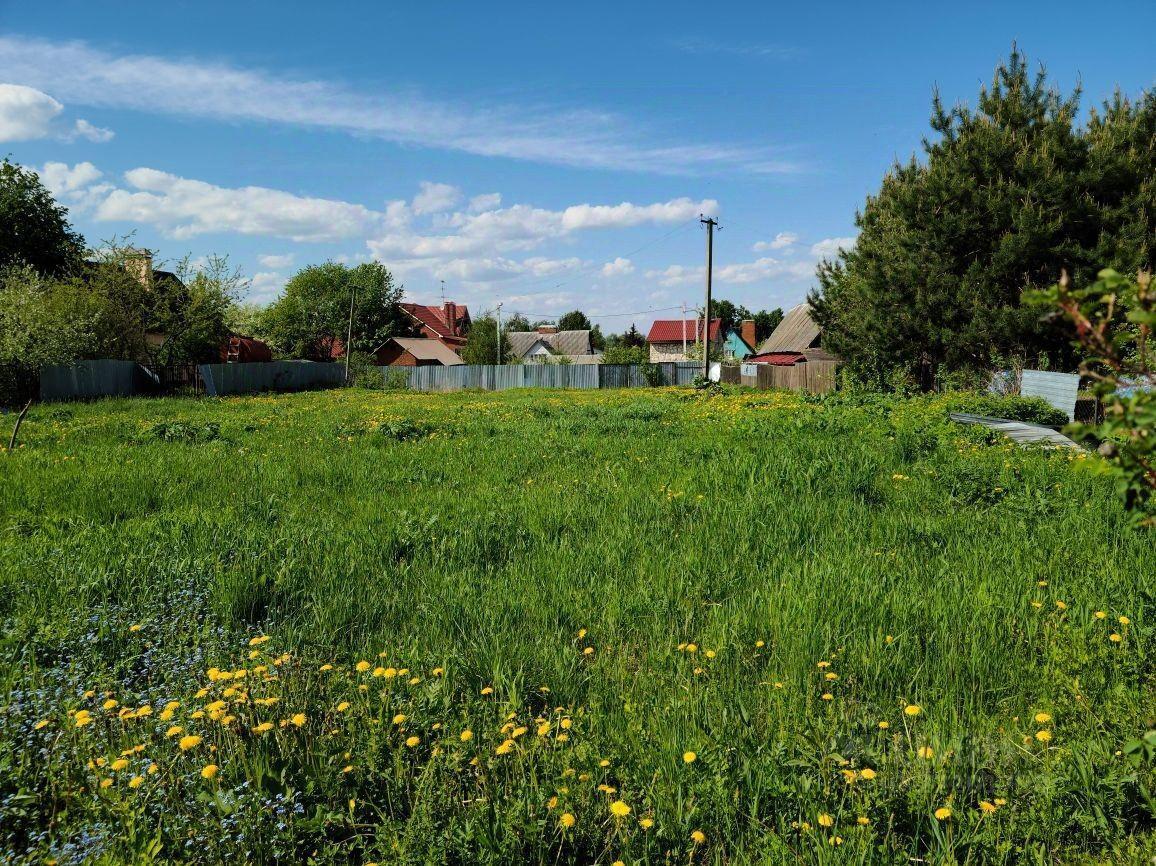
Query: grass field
(647,626)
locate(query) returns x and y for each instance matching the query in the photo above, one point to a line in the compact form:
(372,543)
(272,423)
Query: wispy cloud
(697,45)
(77,72)
(27,113)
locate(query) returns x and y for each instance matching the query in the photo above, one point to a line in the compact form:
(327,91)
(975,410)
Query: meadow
(567,627)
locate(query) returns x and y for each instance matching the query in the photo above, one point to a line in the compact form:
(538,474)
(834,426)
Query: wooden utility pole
(349,333)
(710,223)
(498,360)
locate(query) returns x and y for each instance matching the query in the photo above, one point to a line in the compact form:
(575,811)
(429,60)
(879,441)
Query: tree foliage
(733,315)
(34,229)
(575,320)
(1008,194)
(482,347)
(311,317)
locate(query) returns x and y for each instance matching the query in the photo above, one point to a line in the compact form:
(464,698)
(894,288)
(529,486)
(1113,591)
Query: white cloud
(618,268)
(739,273)
(781,241)
(276,261)
(482,203)
(98,134)
(829,247)
(183,208)
(26,113)
(62,179)
(436,198)
(265,286)
(79,73)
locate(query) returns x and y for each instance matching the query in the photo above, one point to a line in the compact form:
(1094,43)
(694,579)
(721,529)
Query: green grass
(488,541)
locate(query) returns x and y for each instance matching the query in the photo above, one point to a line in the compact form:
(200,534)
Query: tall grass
(666,573)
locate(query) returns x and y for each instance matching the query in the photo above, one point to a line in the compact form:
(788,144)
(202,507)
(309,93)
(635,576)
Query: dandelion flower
(827,696)
(619,809)
(1125,621)
(466,735)
(41,725)
(487,691)
(363,666)
(862,820)
(110,704)
(1043,718)
(189,742)
(646,823)
(135,782)
(519,731)
(1114,637)
(567,820)
(986,807)
(209,771)
(942,813)
(867,773)
(689,757)
(698,837)
(412,741)
(106,783)
(1044,736)
(298,719)
(926,752)
(826,820)
(399,719)
(1100,614)
(343,706)
(883,726)
(913,709)
(505,747)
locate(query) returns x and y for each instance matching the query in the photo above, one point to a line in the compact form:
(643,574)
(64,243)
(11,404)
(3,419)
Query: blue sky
(544,156)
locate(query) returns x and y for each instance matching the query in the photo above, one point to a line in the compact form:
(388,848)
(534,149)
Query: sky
(543,156)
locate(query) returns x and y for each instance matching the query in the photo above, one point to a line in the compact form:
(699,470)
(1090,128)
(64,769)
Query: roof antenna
(443,282)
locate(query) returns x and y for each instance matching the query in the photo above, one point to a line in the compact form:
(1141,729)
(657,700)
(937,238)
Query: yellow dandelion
(1125,621)
(942,813)
(1114,637)
(867,773)
(913,709)
(466,735)
(363,666)
(209,771)
(646,823)
(504,748)
(135,782)
(827,696)
(110,704)
(826,820)
(189,742)
(619,809)
(487,691)
(412,741)
(697,836)
(986,807)
(883,726)
(862,820)
(1044,736)
(1043,718)
(567,820)
(925,752)
(298,719)
(106,783)
(343,706)
(41,725)
(689,757)
(399,719)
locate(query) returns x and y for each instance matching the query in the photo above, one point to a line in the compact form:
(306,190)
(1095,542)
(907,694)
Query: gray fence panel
(1058,389)
(89,379)
(224,379)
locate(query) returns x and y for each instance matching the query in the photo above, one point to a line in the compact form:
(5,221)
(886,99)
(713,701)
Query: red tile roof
(779,359)
(671,330)
(434,324)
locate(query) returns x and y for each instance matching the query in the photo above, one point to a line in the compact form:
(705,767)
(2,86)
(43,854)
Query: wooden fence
(492,377)
(818,377)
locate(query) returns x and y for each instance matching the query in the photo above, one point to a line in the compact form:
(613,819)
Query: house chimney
(450,313)
(139,263)
(747,332)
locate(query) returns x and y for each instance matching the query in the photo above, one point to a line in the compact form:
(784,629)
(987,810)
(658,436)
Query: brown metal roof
(427,350)
(796,333)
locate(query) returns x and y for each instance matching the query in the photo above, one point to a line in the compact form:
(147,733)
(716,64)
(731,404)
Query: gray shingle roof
(796,333)
(561,343)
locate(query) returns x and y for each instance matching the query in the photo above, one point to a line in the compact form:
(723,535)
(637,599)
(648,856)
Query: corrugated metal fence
(224,379)
(491,377)
(86,380)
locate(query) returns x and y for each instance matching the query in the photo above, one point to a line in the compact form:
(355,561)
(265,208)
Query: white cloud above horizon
(781,241)
(77,72)
(27,114)
(830,247)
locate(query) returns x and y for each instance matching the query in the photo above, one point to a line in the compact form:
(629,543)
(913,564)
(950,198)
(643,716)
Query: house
(447,324)
(796,340)
(415,352)
(741,343)
(670,338)
(546,344)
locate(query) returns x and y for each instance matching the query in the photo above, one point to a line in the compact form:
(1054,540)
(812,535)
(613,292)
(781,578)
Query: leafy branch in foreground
(1114,318)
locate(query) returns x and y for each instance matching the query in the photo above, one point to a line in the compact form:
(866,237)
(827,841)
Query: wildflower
(867,773)
(412,741)
(1000,801)
(189,742)
(552,803)
(986,807)
(646,823)
(487,691)
(41,725)
(348,768)
(565,724)
(913,709)
(1044,736)
(399,719)
(505,747)
(889,639)
(1043,718)
(466,735)
(862,820)
(589,651)
(604,763)
(519,731)
(1114,637)
(760,644)
(343,706)
(942,813)
(692,648)
(437,672)
(135,627)
(326,667)
(110,704)
(619,809)
(1061,605)
(850,776)
(567,820)
(106,783)
(257,641)
(153,769)
(822,665)
(689,757)
(543,729)
(827,696)
(698,837)
(581,633)
(925,752)
(362,666)
(298,719)
(1125,621)
(710,654)
(209,771)
(830,676)
(135,782)
(826,820)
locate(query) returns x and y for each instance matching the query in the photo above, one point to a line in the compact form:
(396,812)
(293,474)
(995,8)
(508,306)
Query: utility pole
(710,223)
(683,321)
(349,333)
(499,359)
